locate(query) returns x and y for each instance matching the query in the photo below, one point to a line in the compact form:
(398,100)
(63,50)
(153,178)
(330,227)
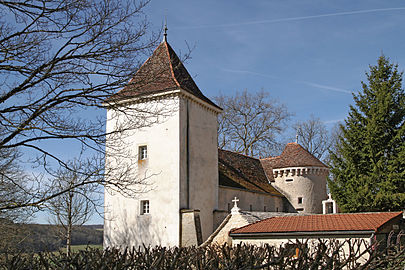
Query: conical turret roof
(294,155)
(162,72)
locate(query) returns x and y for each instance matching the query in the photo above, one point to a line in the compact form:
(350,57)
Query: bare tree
(313,136)
(74,207)
(13,182)
(59,61)
(250,123)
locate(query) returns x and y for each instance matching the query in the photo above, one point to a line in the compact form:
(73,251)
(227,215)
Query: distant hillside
(39,237)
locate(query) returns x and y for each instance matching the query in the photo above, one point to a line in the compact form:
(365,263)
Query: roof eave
(140,98)
(309,233)
(202,102)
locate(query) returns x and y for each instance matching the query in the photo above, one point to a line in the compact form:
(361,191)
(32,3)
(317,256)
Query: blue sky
(309,55)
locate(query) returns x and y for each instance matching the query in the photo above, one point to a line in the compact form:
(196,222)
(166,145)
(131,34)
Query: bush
(299,255)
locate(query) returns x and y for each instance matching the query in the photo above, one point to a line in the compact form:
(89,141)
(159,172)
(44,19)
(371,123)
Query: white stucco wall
(362,239)
(309,183)
(257,200)
(202,161)
(124,226)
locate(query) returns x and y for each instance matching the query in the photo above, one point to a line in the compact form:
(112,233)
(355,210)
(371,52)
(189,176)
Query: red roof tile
(163,71)
(294,155)
(245,171)
(319,223)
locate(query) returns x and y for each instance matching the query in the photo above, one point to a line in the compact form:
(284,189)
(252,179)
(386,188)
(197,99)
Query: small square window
(143,152)
(300,200)
(144,207)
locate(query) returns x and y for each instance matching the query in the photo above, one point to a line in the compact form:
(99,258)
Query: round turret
(300,176)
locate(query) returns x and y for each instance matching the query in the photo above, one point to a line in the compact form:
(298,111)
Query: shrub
(298,255)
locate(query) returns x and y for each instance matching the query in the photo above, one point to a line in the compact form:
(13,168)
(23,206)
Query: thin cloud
(327,87)
(312,84)
(294,18)
(333,121)
(248,72)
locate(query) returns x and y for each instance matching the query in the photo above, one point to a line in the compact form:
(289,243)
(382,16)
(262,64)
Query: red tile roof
(163,71)
(319,223)
(245,171)
(294,155)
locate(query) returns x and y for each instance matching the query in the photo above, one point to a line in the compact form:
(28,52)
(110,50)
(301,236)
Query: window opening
(143,152)
(144,207)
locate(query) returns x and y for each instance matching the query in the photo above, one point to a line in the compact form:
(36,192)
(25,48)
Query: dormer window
(143,152)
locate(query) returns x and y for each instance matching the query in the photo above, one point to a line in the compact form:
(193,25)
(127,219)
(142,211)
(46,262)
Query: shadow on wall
(127,231)
(288,207)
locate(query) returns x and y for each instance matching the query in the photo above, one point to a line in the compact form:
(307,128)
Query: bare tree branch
(250,123)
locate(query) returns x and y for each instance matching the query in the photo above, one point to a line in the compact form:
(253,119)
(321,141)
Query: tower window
(144,207)
(300,200)
(264,209)
(250,207)
(143,152)
(289,180)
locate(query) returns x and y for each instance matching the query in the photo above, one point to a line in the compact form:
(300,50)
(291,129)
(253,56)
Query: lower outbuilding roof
(320,223)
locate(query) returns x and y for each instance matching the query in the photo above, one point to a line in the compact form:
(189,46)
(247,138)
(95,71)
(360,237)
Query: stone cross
(235,209)
(235,201)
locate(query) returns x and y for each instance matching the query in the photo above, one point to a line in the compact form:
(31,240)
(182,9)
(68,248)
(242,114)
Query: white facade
(199,160)
(304,187)
(180,172)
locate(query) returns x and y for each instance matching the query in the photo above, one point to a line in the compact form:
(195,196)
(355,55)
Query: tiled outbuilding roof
(320,223)
(244,171)
(294,155)
(163,71)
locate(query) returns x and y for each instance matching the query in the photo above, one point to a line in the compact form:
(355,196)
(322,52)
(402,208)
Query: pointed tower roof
(294,155)
(162,72)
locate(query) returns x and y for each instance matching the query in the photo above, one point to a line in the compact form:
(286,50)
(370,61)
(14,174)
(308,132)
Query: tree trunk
(69,225)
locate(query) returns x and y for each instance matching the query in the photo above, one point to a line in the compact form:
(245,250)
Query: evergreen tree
(368,163)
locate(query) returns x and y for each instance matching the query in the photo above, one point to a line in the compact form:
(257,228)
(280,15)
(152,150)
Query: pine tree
(368,165)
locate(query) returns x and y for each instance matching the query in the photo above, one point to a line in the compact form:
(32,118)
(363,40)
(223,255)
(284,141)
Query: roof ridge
(170,63)
(239,154)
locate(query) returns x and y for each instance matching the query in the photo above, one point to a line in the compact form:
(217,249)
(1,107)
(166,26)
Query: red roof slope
(163,71)
(318,223)
(245,171)
(294,155)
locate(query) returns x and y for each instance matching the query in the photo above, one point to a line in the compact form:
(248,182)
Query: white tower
(176,157)
(300,176)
